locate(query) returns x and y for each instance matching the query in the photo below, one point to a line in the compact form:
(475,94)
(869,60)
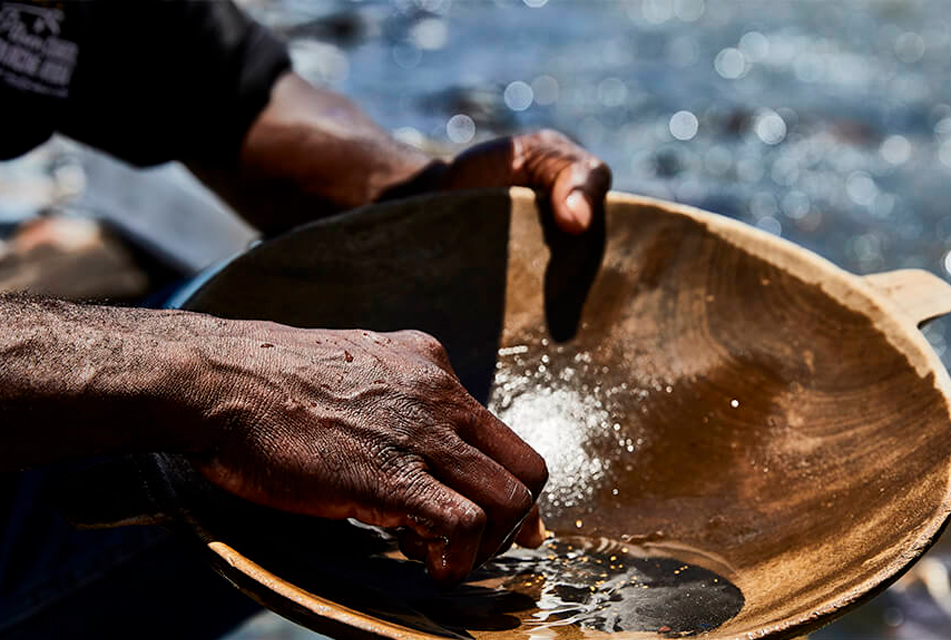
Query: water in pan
(611,586)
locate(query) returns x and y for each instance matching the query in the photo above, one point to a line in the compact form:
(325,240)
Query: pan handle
(919,294)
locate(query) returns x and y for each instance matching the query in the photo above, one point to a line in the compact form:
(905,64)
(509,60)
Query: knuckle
(470,519)
(407,489)
(421,338)
(397,464)
(427,345)
(433,380)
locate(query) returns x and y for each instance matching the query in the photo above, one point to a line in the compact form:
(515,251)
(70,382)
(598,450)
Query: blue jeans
(135,582)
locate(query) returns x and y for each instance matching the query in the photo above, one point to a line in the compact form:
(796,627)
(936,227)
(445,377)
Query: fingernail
(580,209)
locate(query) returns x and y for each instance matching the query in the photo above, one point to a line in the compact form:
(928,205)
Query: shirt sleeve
(160,80)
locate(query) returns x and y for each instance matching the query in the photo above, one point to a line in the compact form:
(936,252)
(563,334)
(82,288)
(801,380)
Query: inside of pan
(731,449)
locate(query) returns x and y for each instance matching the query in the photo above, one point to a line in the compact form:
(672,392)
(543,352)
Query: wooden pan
(744,440)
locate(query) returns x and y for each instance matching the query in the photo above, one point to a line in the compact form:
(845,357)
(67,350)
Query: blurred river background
(828,123)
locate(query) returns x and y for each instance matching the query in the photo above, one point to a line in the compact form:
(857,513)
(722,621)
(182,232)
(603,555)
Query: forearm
(311,153)
(85,380)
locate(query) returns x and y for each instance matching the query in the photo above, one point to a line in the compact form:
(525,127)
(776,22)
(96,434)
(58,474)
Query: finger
(412,545)
(576,180)
(450,524)
(504,499)
(532,533)
(492,437)
(578,192)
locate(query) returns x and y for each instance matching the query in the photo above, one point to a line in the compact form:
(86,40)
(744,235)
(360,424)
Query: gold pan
(744,440)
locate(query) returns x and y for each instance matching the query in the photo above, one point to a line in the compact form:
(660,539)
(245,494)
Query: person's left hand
(574,180)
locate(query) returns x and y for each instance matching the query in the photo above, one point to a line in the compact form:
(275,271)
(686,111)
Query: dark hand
(575,180)
(373,426)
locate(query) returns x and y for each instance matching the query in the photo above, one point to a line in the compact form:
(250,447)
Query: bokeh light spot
(770,126)
(518,96)
(771,225)
(430,34)
(944,154)
(689,10)
(612,92)
(657,11)
(754,45)
(683,125)
(909,47)
(895,150)
(407,55)
(682,52)
(730,63)
(545,89)
(861,188)
(460,128)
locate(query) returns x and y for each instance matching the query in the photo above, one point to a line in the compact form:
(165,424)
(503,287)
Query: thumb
(577,194)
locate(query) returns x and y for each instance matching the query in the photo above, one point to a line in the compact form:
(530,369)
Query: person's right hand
(373,426)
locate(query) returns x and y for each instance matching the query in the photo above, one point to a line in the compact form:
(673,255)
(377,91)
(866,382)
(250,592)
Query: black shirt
(145,80)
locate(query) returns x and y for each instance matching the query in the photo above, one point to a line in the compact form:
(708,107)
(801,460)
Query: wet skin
(373,426)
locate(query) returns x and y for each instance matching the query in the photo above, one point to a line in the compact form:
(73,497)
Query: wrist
(430,177)
(178,392)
